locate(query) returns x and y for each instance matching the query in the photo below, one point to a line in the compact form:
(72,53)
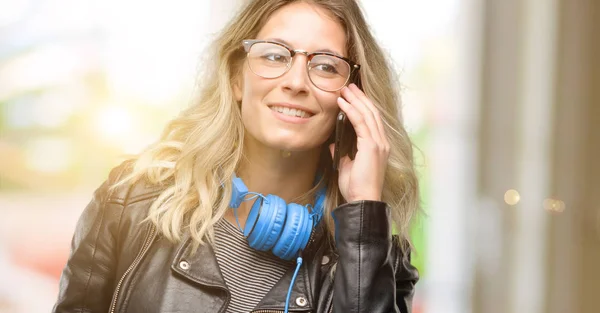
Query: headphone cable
(287,299)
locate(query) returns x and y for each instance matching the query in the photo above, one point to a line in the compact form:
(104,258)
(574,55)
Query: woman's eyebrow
(290,46)
(329,50)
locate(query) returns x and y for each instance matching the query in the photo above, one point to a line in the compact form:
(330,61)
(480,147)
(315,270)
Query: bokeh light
(114,123)
(49,154)
(512,197)
(554,205)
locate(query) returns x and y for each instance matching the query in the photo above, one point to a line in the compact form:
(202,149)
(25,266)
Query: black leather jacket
(119,265)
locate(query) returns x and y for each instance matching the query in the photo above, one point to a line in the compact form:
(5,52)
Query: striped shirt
(249,274)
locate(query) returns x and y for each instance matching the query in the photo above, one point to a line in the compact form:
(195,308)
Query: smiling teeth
(290,112)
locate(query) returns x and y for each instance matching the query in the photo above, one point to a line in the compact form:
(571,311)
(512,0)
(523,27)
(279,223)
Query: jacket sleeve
(87,281)
(372,275)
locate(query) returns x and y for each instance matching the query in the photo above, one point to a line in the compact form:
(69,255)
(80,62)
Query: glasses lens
(268,60)
(328,72)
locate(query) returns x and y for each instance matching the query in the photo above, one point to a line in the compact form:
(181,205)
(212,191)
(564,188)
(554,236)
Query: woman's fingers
(362,178)
(369,115)
(356,118)
(363,117)
(369,104)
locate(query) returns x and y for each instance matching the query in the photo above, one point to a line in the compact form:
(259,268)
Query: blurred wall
(574,256)
(538,250)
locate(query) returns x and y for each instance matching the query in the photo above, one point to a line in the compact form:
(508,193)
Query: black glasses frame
(248,43)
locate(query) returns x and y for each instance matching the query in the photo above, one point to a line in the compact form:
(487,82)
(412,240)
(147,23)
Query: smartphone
(345,140)
(345,136)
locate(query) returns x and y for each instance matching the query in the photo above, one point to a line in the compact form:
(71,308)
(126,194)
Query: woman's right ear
(237,92)
(237,88)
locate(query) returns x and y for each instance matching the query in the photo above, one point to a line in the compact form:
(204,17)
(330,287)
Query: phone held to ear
(345,140)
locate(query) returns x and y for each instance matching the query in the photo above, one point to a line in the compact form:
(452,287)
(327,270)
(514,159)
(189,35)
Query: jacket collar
(202,268)
(301,297)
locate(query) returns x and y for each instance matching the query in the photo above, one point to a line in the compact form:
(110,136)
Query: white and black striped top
(249,273)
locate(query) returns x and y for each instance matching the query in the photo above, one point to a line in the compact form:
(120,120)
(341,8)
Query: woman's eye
(326,68)
(274,57)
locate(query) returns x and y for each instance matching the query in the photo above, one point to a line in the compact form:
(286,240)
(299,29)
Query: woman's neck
(274,171)
(265,170)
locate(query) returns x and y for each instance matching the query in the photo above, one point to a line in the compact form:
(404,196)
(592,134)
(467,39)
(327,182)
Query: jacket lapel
(300,298)
(200,267)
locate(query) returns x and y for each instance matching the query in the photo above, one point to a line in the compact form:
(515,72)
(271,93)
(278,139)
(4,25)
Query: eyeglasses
(327,71)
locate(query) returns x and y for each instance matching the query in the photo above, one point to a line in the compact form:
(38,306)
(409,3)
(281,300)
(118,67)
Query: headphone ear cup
(252,221)
(265,222)
(276,221)
(296,232)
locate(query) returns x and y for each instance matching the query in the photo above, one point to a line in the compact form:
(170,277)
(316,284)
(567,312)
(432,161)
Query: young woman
(238,208)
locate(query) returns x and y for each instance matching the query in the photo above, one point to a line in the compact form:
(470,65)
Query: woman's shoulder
(122,202)
(125,191)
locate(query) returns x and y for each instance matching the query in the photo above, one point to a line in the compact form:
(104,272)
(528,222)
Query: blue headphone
(275,225)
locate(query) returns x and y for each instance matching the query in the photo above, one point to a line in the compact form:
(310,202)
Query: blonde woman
(238,207)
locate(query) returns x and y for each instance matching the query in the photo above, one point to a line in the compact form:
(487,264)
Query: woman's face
(305,27)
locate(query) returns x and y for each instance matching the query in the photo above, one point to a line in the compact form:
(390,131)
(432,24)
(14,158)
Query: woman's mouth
(291,112)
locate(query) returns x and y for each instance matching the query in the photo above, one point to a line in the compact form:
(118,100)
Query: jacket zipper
(136,261)
(310,239)
(331,305)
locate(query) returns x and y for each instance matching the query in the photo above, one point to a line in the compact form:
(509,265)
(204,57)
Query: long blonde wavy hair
(199,150)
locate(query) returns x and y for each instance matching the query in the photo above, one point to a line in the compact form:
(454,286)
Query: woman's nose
(296,79)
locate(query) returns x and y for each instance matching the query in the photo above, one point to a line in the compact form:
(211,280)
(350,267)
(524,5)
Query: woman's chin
(291,148)
(292,142)
(294,146)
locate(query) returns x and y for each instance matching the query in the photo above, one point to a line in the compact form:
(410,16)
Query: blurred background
(501,98)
